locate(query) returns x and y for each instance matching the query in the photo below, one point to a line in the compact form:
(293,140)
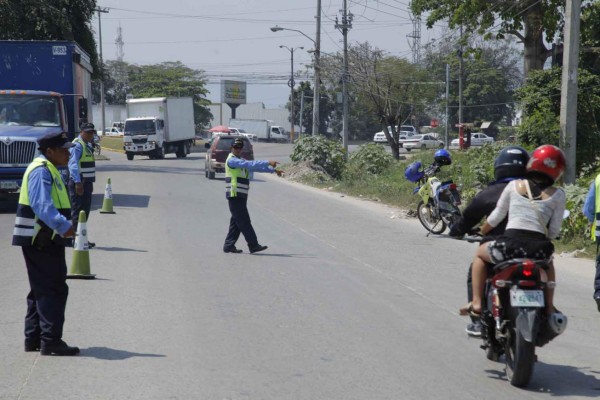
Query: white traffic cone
(107,204)
(80,268)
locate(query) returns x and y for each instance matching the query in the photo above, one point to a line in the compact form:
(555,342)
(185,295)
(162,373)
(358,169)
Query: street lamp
(291,84)
(317,79)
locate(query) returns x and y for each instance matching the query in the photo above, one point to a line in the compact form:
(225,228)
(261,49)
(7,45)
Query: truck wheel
(211,175)
(160,153)
(129,156)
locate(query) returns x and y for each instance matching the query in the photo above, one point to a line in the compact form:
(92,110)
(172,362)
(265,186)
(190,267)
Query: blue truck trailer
(45,86)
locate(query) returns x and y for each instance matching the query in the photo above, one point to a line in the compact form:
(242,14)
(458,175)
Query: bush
(328,154)
(372,158)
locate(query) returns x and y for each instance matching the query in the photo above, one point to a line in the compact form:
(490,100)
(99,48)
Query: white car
(405,130)
(422,142)
(477,139)
(239,131)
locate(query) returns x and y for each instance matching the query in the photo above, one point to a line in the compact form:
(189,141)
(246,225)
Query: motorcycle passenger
(509,165)
(535,210)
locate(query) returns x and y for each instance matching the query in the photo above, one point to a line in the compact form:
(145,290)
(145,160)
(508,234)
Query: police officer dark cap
(55,140)
(88,127)
(238,142)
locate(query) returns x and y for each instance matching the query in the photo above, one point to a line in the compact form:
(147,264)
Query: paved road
(350,301)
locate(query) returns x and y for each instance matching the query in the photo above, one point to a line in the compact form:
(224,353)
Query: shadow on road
(558,380)
(283,255)
(119,249)
(105,353)
(121,200)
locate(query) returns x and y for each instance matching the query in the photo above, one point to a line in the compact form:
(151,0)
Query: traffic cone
(107,204)
(80,269)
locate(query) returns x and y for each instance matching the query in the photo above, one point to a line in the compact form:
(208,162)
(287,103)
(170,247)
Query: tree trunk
(535,51)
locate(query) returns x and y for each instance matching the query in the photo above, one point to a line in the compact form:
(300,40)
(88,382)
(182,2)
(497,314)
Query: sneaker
(91,245)
(474,329)
(258,248)
(58,349)
(232,250)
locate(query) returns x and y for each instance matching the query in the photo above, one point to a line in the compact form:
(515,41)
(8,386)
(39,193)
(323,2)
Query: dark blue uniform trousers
(47,299)
(597,278)
(239,223)
(79,203)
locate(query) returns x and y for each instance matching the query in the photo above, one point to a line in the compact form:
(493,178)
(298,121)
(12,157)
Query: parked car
(477,139)
(405,130)
(422,142)
(113,132)
(218,150)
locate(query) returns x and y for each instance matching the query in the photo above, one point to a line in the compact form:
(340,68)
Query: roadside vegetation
(372,173)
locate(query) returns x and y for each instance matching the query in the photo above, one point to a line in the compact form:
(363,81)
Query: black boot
(58,349)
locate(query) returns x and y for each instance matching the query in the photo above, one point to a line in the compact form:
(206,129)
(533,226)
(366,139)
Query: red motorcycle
(514,318)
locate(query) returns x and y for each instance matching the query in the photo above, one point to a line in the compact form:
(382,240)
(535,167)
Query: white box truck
(262,128)
(159,125)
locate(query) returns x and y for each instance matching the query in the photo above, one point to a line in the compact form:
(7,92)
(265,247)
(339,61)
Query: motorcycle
(514,320)
(96,145)
(440,201)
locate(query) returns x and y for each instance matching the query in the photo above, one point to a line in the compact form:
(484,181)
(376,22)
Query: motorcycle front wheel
(520,358)
(97,149)
(428,220)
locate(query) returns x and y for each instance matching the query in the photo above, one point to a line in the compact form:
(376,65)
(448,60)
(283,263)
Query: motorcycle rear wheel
(520,358)
(431,223)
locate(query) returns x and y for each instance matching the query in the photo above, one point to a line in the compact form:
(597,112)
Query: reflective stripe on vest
(596,230)
(27,224)
(87,163)
(237,183)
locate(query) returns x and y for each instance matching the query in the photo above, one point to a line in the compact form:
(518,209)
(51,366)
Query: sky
(232,40)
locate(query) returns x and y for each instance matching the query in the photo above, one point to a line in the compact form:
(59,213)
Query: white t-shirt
(523,215)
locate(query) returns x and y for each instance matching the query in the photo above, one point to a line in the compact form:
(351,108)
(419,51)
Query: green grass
(112,143)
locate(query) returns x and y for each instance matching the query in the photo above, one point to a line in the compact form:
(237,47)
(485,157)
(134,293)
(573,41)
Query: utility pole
(100,11)
(301,112)
(447,103)
(317,67)
(568,90)
(460,78)
(291,84)
(344,27)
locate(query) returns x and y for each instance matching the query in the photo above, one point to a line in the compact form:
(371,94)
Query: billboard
(233,92)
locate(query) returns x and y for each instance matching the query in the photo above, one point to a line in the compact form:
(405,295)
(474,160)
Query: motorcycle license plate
(526,298)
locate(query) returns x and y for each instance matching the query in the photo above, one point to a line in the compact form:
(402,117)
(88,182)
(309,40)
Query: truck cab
(278,134)
(144,135)
(24,117)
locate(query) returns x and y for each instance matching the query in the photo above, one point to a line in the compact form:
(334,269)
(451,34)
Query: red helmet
(548,160)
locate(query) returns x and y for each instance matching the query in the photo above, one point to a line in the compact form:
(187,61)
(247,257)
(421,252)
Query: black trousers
(80,203)
(597,278)
(240,223)
(47,298)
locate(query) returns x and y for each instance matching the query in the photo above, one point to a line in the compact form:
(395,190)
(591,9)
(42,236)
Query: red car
(218,150)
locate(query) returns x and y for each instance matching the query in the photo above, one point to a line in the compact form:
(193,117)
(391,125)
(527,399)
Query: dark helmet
(442,157)
(413,172)
(511,163)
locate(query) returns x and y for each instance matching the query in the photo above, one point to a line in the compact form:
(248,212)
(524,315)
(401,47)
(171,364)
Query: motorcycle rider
(510,164)
(535,210)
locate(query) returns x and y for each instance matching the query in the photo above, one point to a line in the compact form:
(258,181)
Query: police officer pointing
(82,172)
(41,225)
(237,179)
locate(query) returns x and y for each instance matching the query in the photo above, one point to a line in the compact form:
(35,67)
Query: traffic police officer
(591,209)
(41,225)
(82,174)
(237,179)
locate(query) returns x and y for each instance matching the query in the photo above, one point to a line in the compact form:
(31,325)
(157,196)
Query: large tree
(490,77)
(50,20)
(306,107)
(171,79)
(533,22)
(389,88)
